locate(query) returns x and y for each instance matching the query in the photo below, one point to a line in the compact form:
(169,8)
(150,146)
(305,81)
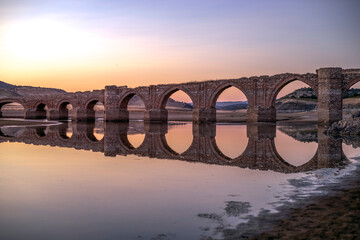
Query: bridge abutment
(330,95)
(261,114)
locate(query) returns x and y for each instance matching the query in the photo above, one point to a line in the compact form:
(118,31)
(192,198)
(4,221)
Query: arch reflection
(231,140)
(260,149)
(136,134)
(179,137)
(351,146)
(295,144)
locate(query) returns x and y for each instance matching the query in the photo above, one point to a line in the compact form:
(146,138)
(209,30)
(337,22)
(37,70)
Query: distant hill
(308,93)
(304,99)
(9,90)
(137,102)
(231,105)
(4,85)
(302,93)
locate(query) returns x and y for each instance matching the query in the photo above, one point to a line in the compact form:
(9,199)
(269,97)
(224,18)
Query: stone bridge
(329,84)
(260,152)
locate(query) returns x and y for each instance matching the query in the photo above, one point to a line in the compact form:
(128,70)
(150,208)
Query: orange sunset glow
(88,45)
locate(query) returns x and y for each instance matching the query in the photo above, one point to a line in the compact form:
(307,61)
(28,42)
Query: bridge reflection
(260,152)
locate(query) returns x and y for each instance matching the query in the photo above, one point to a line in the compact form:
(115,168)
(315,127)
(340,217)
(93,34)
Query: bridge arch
(124,101)
(41,109)
(220,89)
(284,82)
(350,99)
(350,83)
(89,104)
(5,102)
(166,95)
(63,109)
(90,110)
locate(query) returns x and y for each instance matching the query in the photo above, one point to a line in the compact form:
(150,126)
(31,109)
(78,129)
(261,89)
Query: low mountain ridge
(10,90)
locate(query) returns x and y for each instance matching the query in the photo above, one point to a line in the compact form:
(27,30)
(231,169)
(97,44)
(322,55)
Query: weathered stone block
(261,114)
(203,115)
(35,114)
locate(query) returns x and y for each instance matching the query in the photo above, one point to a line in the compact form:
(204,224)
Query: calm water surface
(175,181)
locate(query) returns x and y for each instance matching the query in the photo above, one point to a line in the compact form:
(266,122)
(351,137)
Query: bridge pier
(35,114)
(84,115)
(204,115)
(330,95)
(55,115)
(261,114)
(156,115)
(116,115)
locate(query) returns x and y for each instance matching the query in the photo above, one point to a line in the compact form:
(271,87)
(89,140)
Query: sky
(85,45)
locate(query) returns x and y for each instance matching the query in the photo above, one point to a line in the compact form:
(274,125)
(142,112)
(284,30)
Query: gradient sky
(85,45)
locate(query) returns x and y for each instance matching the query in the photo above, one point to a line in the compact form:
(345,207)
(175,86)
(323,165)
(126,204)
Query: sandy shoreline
(333,216)
(10,122)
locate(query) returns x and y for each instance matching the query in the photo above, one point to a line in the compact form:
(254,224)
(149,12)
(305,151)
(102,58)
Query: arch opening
(42,111)
(135,106)
(296,99)
(231,140)
(95,111)
(179,105)
(351,102)
(66,111)
(11,110)
(231,105)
